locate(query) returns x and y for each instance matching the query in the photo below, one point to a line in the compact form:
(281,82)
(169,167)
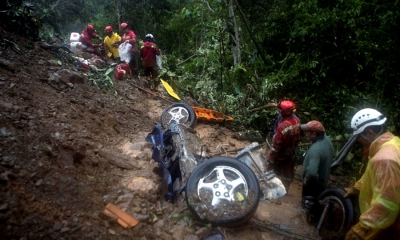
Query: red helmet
(123,25)
(287,107)
(108,29)
(90,28)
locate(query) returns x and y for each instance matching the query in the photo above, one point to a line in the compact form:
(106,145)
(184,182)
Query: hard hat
(287,107)
(366,117)
(149,36)
(108,29)
(90,28)
(123,25)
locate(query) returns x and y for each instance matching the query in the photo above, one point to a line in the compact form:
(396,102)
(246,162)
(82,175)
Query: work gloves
(351,191)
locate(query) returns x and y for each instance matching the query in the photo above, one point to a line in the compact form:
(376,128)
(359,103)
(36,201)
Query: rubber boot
(156,83)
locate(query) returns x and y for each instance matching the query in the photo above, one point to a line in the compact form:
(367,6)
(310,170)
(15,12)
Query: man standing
(316,166)
(379,187)
(284,143)
(110,43)
(86,39)
(148,52)
(130,37)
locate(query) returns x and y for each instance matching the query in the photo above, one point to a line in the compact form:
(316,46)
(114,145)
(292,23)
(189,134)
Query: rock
(191,237)
(140,184)
(178,232)
(141,217)
(7,161)
(119,160)
(39,182)
(203,232)
(57,227)
(7,64)
(4,207)
(159,224)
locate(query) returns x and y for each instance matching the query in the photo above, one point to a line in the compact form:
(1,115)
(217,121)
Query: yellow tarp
(170,90)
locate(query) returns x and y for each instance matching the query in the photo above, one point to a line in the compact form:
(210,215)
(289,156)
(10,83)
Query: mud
(68,148)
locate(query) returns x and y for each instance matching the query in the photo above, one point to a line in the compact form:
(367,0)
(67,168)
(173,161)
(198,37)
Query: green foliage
(331,57)
(19,16)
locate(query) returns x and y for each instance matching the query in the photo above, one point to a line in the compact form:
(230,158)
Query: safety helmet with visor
(124,25)
(150,37)
(286,107)
(108,29)
(365,118)
(90,28)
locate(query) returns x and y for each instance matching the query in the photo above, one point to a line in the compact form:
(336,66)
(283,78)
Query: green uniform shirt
(317,162)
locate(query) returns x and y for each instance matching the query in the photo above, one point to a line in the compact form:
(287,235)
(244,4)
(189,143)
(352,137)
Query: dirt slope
(68,148)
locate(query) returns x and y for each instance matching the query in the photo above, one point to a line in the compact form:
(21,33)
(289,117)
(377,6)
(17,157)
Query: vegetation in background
(331,57)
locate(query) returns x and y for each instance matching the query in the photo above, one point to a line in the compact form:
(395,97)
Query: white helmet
(150,36)
(366,117)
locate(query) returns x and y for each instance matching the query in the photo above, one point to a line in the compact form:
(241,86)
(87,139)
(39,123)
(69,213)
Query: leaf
(239,196)
(108,71)
(110,80)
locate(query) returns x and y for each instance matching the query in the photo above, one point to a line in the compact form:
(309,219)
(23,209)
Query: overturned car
(223,191)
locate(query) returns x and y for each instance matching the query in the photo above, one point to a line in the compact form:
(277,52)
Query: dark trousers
(133,64)
(284,169)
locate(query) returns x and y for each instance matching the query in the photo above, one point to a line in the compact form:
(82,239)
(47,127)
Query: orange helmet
(108,29)
(90,28)
(123,25)
(287,107)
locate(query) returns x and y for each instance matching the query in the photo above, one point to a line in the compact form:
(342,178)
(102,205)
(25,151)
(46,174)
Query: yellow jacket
(380,187)
(112,51)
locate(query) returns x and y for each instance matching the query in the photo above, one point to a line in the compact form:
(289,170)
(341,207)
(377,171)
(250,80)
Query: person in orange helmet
(110,43)
(86,39)
(130,37)
(284,142)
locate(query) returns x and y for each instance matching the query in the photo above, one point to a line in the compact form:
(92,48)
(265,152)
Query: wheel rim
(177,114)
(337,205)
(223,182)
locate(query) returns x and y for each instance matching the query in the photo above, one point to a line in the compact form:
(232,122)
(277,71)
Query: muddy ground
(68,148)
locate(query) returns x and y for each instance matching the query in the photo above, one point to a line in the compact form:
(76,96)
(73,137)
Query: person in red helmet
(130,37)
(109,43)
(284,143)
(86,39)
(148,52)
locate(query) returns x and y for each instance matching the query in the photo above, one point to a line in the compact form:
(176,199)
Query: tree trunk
(235,38)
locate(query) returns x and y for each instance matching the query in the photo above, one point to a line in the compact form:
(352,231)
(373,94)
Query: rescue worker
(110,44)
(130,37)
(284,143)
(316,166)
(379,187)
(148,52)
(86,39)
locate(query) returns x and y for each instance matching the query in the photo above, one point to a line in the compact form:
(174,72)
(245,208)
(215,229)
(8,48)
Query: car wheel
(337,215)
(223,191)
(180,113)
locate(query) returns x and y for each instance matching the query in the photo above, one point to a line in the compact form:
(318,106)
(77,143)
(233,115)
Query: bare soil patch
(67,151)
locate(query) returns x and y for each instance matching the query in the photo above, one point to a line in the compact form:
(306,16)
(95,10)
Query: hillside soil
(68,148)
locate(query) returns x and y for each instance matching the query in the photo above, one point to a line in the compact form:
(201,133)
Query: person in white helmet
(148,52)
(379,187)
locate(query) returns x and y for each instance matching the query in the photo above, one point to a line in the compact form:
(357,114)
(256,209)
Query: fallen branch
(278,228)
(269,105)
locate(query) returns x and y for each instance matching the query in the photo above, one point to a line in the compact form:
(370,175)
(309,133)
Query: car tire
(236,189)
(180,113)
(340,217)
